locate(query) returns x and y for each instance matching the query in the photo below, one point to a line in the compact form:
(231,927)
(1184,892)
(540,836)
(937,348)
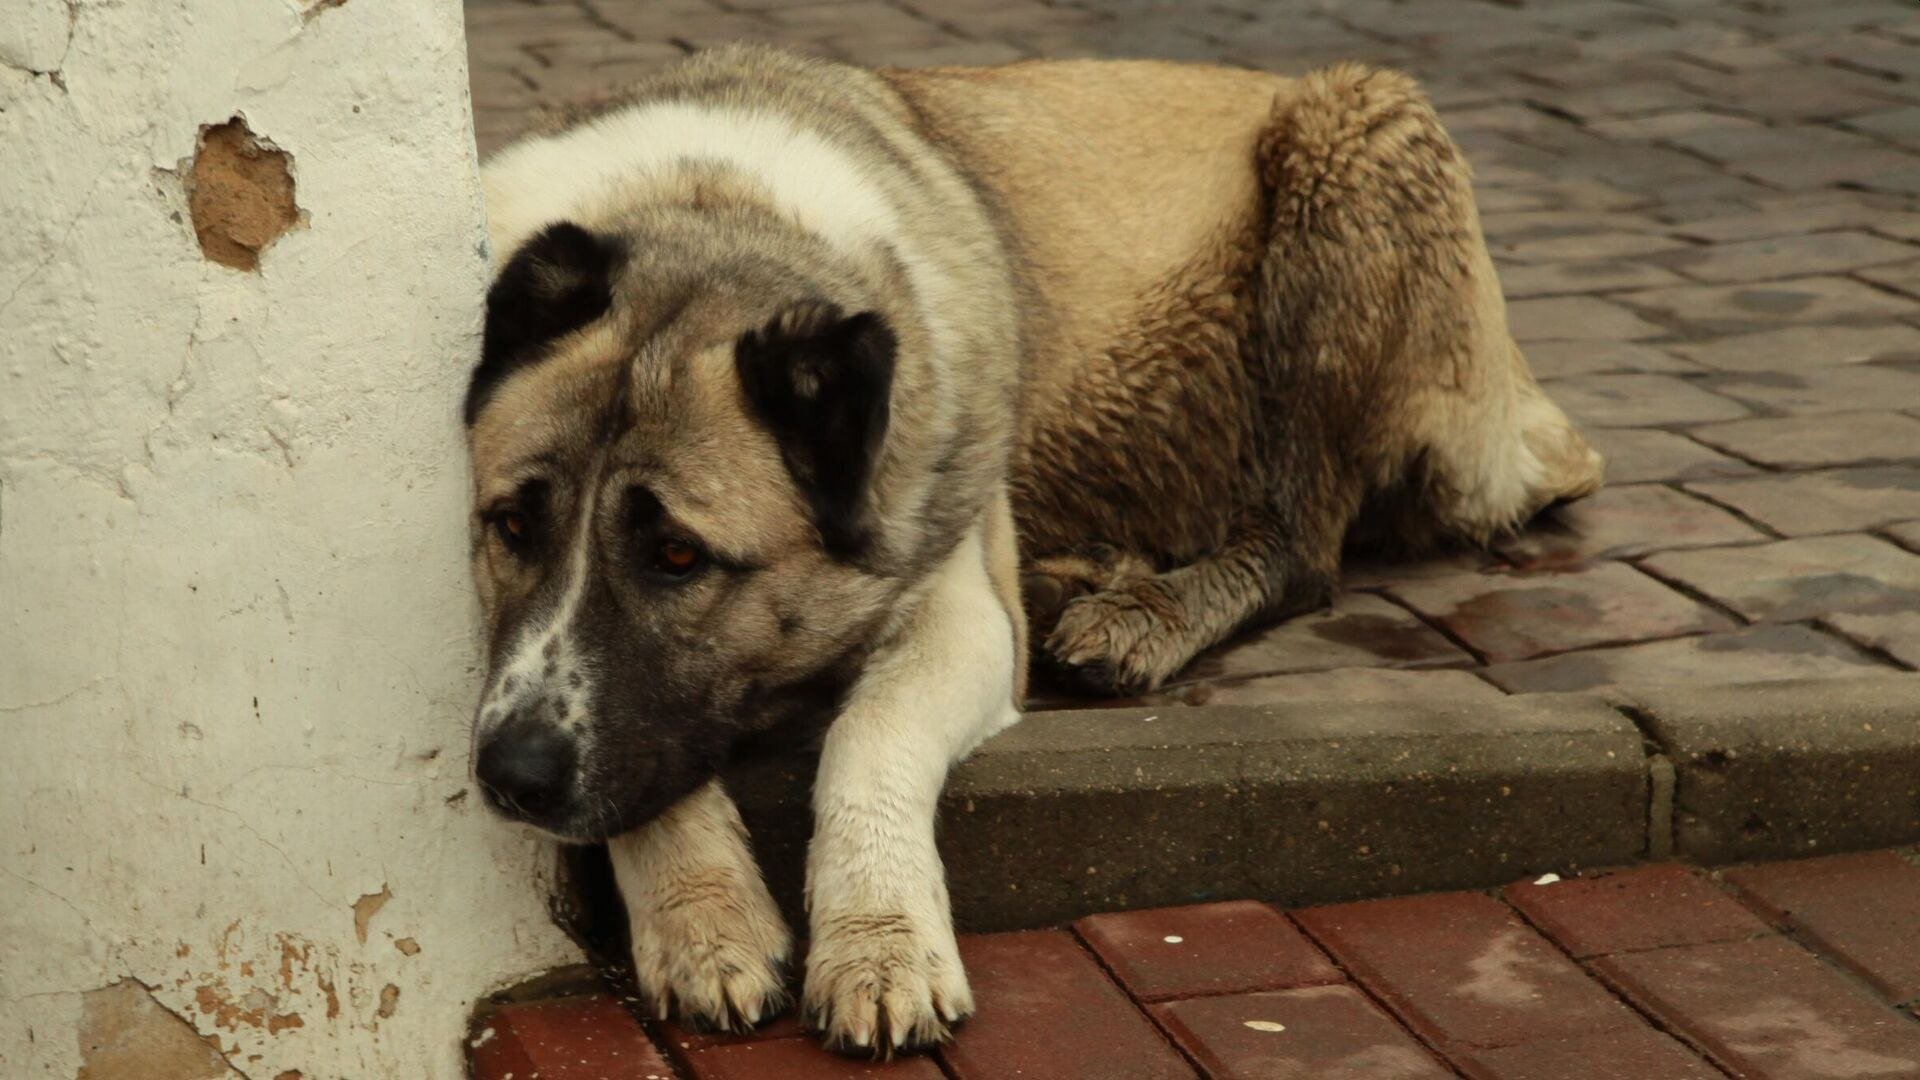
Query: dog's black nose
(526,768)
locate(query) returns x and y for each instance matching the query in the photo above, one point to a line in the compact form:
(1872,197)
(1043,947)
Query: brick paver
(1652,907)
(1828,501)
(1776,971)
(1525,614)
(1799,348)
(1642,455)
(1317,1033)
(1809,442)
(1707,221)
(1794,579)
(1768,1008)
(1861,909)
(588,1037)
(1757,654)
(1206,949)
(1634,1054)
(1463,970)
(1028,985)
(1621,522)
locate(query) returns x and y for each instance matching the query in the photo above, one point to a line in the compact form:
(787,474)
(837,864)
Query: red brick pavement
(1772,972)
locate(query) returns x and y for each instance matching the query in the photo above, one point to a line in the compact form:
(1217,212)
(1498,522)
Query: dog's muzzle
(526,768)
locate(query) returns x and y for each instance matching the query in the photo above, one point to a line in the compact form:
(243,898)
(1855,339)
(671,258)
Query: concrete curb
(1077,812)
(1789,769)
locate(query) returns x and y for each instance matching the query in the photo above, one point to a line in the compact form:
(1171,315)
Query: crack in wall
(54,74)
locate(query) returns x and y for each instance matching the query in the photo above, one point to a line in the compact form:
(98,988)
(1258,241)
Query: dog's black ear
(557,282)
(821,381)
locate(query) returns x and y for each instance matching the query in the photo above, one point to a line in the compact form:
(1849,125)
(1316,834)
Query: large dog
(797,377)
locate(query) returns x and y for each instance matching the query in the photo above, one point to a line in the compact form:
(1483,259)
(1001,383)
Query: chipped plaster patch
(125,1032)
(240,194)
(365,908)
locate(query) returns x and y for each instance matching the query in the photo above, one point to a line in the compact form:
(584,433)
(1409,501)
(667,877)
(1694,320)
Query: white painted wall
(236,634)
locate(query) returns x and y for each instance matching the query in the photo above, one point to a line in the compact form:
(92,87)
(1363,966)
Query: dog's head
(674,535)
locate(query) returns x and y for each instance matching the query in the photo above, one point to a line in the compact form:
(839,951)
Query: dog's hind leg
(1379,355)
(709,945)
(1378,278)
(1280,559)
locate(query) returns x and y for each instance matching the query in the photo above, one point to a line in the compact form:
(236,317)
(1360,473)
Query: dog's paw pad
(714,963)
(1113,643)
(877,987)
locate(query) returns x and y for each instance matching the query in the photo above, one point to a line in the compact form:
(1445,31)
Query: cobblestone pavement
(1781,971)
(1703,216)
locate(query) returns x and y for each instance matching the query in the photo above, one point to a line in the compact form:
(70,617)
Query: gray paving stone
(1879,167)
(1853,388)
(1640,401)
(1668,125)
(1564,359)
(1523,614)
(1382,685)
(1837,500)
(1733,58)
(1639,455)
(1733,308)
(1582,278)
(1788,256)
(1807,442)
(1803,92)
(1901,123)
(1589,247)
(1576,318)
(1678,38)
(1896,633)
(1797,348)
(1791,580)
(1902,278)
(1737,143)
(1360,630)
(1623,521)
(1803,217)
(1755,655)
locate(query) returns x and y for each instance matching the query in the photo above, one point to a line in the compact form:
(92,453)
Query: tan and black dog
(798,376)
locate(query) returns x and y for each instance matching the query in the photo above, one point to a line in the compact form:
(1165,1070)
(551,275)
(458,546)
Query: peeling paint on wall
(365,908)
(240,193)
(125,1034)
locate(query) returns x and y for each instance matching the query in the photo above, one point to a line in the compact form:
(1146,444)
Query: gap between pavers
(1077,812)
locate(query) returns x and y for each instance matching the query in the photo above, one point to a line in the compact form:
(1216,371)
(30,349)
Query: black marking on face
(821,382)
(557,282)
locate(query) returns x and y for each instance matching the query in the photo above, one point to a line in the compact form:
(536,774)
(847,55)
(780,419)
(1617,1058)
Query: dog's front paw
(711,950)
(1119,642)
(882,984)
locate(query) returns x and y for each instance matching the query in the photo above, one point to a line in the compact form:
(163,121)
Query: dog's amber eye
(515,530)
(676,558)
